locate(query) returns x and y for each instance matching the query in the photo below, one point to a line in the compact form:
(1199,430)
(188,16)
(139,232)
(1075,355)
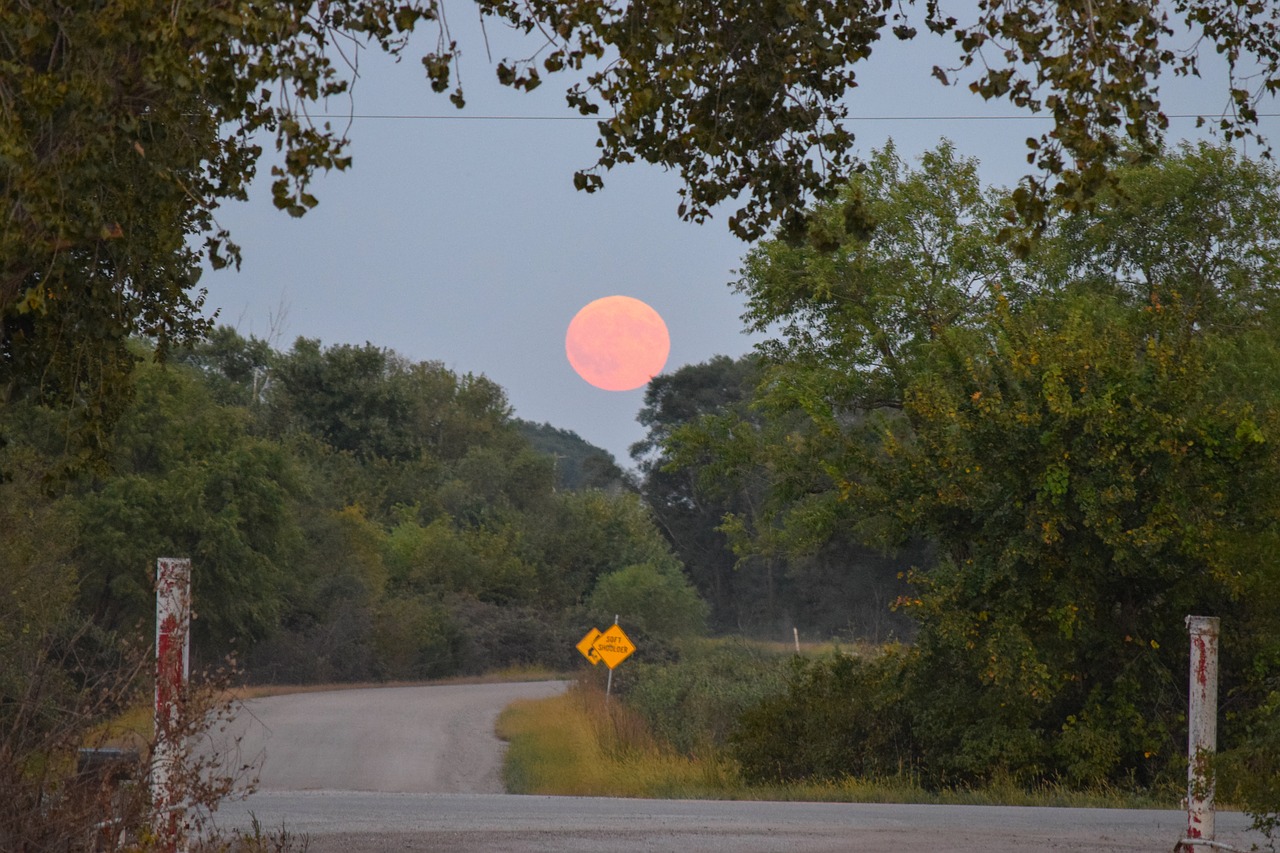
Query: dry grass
(579,744)
(820,649)
(131,730)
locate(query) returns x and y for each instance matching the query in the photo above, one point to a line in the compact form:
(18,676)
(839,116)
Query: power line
(460,117)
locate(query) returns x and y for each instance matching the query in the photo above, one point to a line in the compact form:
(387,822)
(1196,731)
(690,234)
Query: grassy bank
(580,744)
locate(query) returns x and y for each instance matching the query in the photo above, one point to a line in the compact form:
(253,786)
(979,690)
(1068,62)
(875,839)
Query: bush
(838,716)
(694,704)
(1249,774)
(491,636)
(340,648)
(658,600)
(414,639)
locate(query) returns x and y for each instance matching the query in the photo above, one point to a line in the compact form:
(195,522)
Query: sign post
(173,664)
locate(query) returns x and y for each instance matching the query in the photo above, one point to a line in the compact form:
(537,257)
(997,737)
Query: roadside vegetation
(584,743)
(1074,444)
(1013,436)
(1002,477)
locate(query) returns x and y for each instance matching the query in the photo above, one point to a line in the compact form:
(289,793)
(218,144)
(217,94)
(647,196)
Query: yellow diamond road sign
(613,646)
(585,645)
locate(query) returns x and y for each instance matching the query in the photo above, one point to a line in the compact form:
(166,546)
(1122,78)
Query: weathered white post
(173,656)
(1202,732)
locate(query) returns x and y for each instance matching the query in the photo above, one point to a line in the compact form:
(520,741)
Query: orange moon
(617,343)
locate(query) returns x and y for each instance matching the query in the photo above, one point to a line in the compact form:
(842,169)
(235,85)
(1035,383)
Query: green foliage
(839,587)
(236,370)
(656,598)
(371,403)
(689,514)
(60,675)
(578,464)
(188,481)
(695,703)
(414,638)
(751,99)
(587,534)
(349,515)
(837,716)
(1250,774)
(1085,436)
(123,130)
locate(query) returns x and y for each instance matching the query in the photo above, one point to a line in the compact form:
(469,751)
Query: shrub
(695,703)
(492,636)
(838,716)
(414,638)
(658,600)
(1249,774)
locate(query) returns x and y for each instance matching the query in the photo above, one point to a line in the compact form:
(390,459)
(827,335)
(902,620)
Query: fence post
(1202,731)
(173,656)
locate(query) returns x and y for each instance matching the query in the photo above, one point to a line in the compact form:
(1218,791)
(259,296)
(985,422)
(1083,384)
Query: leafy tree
(125,127)
(841,587)
(705,461)
(50,693)
(588,534)
(236,370)
(188,481)
(372,403)
(1074,432)
(745,99)
(578,464)
(657,599)
(687,512)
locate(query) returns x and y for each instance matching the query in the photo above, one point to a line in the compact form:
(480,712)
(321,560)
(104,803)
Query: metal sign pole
(608,687)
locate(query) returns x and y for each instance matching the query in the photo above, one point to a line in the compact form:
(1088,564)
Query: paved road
(346,822)
(436,739)
(413,769)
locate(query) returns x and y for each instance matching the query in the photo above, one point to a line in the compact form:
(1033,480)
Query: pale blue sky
(463,240)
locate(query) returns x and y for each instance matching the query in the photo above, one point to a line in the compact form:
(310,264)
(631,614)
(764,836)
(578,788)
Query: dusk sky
(461,239)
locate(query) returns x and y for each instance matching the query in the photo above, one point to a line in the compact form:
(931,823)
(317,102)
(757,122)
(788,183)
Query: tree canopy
(124,127)
(1087,435)
(350,514)
(750,99)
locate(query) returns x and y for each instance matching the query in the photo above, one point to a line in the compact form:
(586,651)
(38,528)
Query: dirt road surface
(417,769)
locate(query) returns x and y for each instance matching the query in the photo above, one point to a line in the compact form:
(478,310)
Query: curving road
(436,739)
(417,769)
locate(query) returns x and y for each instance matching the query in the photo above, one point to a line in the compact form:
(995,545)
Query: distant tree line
(350,515)
(841,588)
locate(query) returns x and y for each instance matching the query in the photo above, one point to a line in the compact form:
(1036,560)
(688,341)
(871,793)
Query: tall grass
(581,744)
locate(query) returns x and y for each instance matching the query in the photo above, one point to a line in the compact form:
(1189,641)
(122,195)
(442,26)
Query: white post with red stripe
(1202,733)
(173,664)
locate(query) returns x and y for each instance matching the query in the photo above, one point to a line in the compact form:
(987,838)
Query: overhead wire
(460,117)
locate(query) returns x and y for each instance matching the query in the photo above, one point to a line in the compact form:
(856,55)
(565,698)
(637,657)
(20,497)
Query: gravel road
(417,769)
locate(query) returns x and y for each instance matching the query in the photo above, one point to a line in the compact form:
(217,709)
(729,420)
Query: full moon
(617,343)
